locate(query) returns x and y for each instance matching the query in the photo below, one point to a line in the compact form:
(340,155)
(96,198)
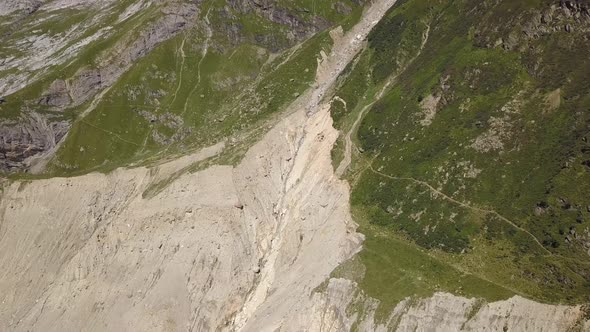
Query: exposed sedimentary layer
(440,312)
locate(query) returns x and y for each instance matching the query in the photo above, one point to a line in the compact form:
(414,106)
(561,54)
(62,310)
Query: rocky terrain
(35,132)
(129,29)
(212,171)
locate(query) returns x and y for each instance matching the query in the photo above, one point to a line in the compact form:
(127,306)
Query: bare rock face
(23,138)
(269,9)
(10,6)
(296,24)
(342,8)
(440,312)
(572,16)
(57,95)
(30,53)
(177,17)
(85,84)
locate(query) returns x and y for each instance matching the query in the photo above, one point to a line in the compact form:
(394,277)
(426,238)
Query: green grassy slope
(151,112)
(225,75)
(476,157)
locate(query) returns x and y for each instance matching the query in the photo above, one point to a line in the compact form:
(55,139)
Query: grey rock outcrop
(57,95)
(87,82)
(27,6)
(298,28)
(23,138)
(528,26)
(439,312)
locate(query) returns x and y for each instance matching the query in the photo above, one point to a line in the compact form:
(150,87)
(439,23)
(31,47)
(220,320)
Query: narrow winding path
(183,56)
(461,204)
(208,35)
(345,163)
(117,136)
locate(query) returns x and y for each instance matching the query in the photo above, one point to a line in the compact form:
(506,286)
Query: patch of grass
(396,269)
(167,104)
(337,152)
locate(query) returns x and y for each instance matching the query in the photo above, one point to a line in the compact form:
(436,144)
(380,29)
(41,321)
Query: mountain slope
(150,63)
(216,256)
(472,145)
(239,143)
